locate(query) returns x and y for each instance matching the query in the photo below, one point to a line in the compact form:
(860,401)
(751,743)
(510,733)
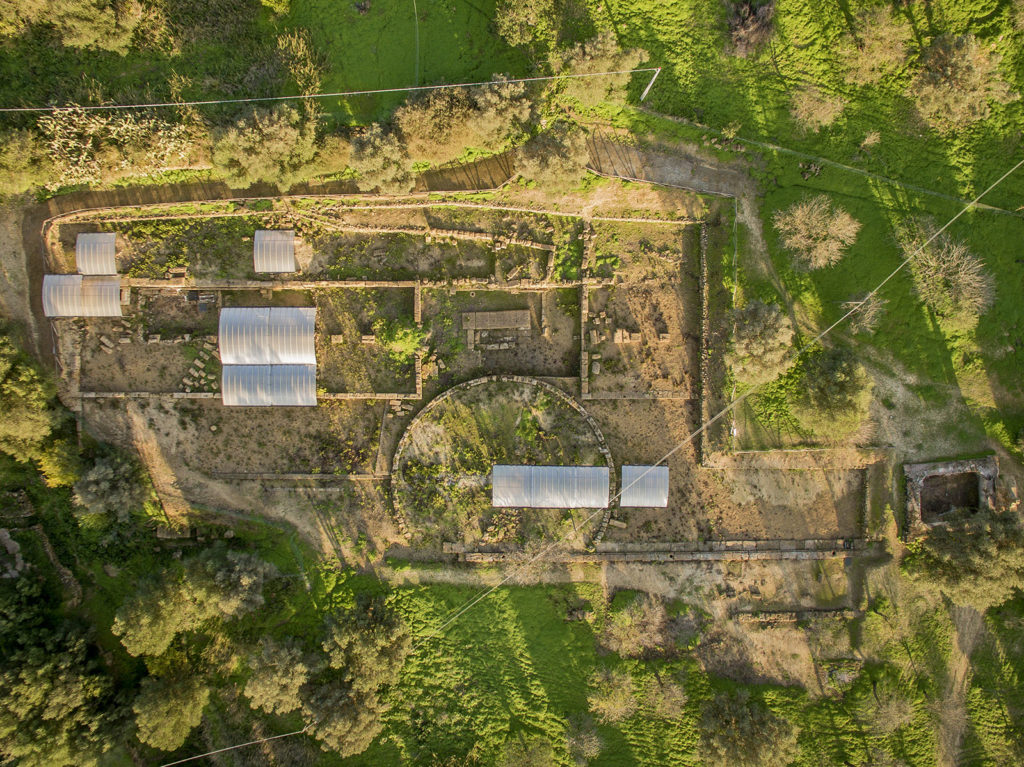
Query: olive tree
(762,343)
(167,710)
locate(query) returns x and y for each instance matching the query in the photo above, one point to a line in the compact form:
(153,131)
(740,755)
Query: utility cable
(340,94)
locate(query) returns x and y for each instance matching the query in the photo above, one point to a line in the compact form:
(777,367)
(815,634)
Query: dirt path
(951,710)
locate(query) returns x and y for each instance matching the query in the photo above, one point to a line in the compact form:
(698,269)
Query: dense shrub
(816,231)
(88,147)
(303,62)
(24,163)
(975,559)
(102,24)
(739,732)
(959,79)
(523,22)
(762,343)
(750,25)
(611,696)
(602,54)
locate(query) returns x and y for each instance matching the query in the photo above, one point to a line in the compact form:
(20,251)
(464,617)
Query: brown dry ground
(203,435)
(729,503)
(135,366)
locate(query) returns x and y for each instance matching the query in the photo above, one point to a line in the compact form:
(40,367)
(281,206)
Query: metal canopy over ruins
(550,487)
(72,295)
(644,486)
(266,385)
(268,356)
(274,250)
(267,336)
(95,253)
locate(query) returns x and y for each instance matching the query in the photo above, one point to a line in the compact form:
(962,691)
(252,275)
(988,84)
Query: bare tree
(877,47)
(958,81)
(816,232)
(949,278)
(611,697)
(870,310)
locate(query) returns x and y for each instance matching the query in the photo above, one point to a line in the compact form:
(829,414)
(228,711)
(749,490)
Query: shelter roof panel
(644,486)
(550,487)
(95,253)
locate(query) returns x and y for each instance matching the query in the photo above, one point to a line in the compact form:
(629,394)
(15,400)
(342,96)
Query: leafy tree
(23,162)
(816,231)
(401,340)
(602,54)
(272,145)
(959,80)
(526,22)
(167,710)
(831,379)
(950,279)
(582,740)
(112,486)
(762,343)
(366,648)
(381,161)
(28,419)
(56,707)
(102,24)
(279,671)
(438,126)
(814,109)
(638,630)
(611,696)
(739,732)
(975,559)
(750,25)
(877,47)
(556,159)
(212,585)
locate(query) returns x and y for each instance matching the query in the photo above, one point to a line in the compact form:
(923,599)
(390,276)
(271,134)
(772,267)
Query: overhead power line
(457,613)
(340,94)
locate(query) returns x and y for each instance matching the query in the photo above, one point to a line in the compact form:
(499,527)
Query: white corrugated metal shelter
(72,295)
(268,356)
(274,250)
(95,253)
(644,486)
(550,487)
(267,336)
(266,385)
